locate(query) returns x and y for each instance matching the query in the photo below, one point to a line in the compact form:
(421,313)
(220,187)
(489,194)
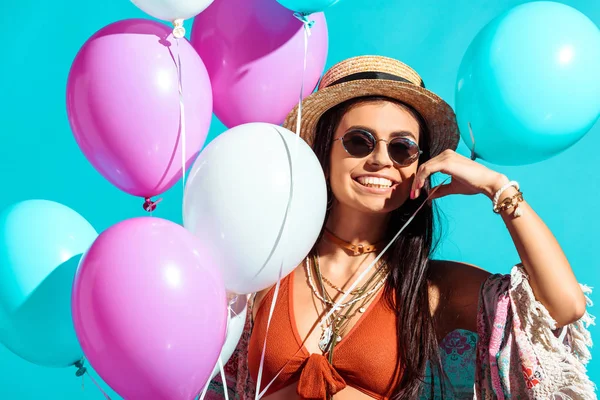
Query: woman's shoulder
(454,272)
(454,289)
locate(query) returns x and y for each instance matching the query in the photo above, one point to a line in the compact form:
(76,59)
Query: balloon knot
(304,19)
(81,370)
(232,298)
(150,205)
(178,29)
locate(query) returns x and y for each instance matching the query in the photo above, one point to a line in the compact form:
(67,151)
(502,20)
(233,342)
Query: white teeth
(374,181)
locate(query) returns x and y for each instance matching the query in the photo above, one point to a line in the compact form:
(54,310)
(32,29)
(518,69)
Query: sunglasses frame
(374,140)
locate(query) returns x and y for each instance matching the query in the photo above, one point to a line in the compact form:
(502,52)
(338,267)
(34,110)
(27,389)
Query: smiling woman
(371,166)
(379,136)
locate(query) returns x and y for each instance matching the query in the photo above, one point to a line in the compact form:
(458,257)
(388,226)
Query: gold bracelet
(510,202)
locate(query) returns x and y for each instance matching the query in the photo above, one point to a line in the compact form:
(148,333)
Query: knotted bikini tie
(318,379)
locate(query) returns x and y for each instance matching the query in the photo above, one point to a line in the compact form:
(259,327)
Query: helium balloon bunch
(154,307)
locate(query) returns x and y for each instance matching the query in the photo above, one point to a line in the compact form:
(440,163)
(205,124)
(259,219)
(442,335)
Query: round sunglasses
(360,143)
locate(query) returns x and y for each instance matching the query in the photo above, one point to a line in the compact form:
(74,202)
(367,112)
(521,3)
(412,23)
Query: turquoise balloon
(40,246)
(307,6)
(529,84)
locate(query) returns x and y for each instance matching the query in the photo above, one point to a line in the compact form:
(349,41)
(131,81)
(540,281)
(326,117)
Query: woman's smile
(375,184)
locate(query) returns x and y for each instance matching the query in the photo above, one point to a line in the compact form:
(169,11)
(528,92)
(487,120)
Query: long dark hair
(407,287)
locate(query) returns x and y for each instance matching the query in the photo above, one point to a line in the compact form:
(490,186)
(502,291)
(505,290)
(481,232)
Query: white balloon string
(223,378)
(219,361)
(229,311)
(181,116)
(205,390)
(357,281)
(339,303)
(278,284)
(207,385)
(307,26)
(264,348)
(291,158)
(279,238)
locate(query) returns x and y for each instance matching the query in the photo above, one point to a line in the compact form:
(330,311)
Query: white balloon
(171,10)
(236,199)
(235,328)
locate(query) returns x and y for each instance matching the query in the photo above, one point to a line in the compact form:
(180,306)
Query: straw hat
(378,76)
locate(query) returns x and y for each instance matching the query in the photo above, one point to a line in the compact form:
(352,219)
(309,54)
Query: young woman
(380,135)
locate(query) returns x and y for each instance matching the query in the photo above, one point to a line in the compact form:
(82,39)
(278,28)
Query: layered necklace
(336,326)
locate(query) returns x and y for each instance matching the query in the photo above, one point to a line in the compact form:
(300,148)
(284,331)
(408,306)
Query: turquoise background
(40,159)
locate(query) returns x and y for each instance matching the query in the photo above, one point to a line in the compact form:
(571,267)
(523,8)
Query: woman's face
(374,183)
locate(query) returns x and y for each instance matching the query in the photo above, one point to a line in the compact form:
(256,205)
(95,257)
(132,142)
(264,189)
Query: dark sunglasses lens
(358,144)
(403,151)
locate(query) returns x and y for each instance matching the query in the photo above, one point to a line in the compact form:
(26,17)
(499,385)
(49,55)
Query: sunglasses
(360,143)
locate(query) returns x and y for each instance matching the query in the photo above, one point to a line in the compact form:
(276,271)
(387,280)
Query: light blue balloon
(307,7)
(41,243)
(529,83)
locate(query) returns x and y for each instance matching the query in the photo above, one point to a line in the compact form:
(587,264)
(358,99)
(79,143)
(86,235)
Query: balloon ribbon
(181,114)
(307,32)
(360,278)
(82,371)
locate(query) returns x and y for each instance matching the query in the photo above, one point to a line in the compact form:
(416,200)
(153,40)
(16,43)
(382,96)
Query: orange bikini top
(366,358)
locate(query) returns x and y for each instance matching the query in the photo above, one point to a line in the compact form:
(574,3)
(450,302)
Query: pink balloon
(254,53)
(123,105)
(150,310)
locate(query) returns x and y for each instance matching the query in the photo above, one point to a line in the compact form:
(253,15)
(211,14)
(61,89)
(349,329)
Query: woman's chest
(321,318)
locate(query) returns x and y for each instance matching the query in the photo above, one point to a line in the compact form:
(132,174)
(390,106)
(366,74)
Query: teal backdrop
(40,159)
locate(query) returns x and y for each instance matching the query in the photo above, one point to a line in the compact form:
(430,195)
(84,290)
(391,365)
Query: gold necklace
(332,303)
(332,332)
(355,292)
